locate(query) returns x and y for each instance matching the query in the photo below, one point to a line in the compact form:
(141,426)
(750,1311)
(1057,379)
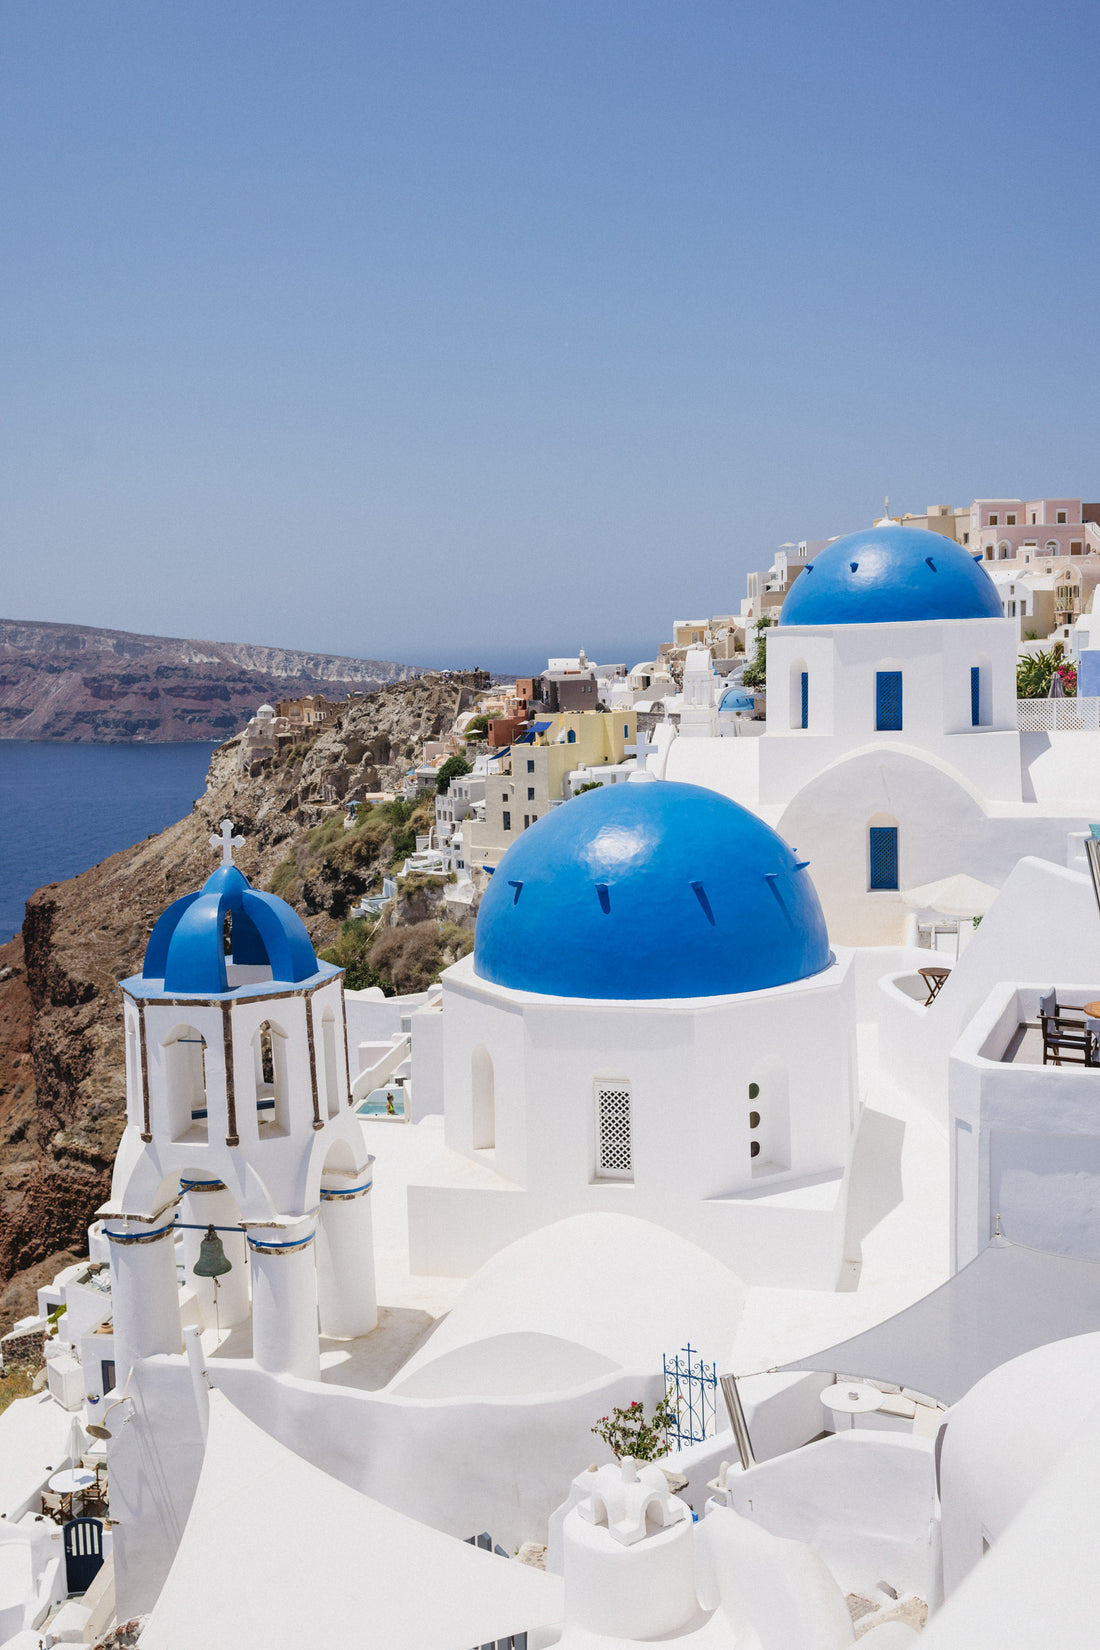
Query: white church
(690,1104)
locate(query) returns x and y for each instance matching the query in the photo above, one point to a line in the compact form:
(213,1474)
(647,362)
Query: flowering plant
(628,1432)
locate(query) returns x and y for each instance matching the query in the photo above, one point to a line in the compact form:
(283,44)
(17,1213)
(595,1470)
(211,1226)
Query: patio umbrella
(957,896)
(1056,690)
(77,1444)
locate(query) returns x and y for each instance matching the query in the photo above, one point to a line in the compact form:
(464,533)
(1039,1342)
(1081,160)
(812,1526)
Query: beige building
(538,780)
(941,518)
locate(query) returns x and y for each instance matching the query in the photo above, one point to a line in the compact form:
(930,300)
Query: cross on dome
(226,841)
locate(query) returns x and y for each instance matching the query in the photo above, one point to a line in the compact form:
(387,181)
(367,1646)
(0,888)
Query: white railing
(1058,715)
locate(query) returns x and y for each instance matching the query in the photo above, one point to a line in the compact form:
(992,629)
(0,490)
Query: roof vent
(930,563)
(854,565)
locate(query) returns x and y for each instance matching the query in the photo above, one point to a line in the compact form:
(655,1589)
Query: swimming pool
(388,1102)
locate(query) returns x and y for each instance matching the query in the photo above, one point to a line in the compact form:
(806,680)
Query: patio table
(851,1398)
(933,977)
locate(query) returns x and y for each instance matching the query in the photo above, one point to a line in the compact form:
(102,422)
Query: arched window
(981,700)
(272,1097)
(1004,551)
(185,1083)
(882,845)
(799,695)
(328,1045)
(483,1096)
(571,737)
(888,701)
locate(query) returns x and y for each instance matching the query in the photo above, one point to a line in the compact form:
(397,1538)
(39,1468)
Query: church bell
(213,1260)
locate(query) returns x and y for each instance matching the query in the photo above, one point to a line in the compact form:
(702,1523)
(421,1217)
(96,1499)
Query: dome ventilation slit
(701,895)
(928,562)
(801,864)
(771,878)
(603,894)
(518,886)
(854,565)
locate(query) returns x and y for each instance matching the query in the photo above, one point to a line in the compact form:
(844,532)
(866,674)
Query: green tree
(453,768)
(755,673)
(592,785)
(477,728)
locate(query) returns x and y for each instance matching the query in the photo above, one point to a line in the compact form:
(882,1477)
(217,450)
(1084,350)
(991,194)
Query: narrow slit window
(884,856)
(888,701)
(975,696)
(614,1157)
(805,699)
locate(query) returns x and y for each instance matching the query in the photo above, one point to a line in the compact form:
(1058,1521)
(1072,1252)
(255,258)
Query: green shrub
(453,768)
(284,878)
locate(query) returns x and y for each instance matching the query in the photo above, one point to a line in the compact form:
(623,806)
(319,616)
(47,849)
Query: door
(106,1375)
(83,1553)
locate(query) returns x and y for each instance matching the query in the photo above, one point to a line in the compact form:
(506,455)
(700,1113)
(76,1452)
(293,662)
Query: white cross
(641,749)
(226,841)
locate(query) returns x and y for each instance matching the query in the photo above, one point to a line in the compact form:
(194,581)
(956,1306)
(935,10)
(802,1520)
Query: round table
(1093,1009)
(851,1398)
(72,1481)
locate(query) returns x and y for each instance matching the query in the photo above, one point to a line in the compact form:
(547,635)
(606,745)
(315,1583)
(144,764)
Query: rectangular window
(1076,548)
(626,730)
(530,793)
(993,521)
(507,820)
(888,701)
(613,1144)
(530,766)
(1010,521)
(975,696)
(1061,518)
(526,821)
(805,698)
(1033,518)
(534,817)
(884,856)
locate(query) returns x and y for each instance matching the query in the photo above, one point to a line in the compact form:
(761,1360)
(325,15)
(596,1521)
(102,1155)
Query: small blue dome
(187,949)
(736,698)
(891,575)
(649,889)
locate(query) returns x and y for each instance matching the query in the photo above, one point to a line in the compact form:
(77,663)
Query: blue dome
(891,575)
(649,889)
(187,951)
(736,698)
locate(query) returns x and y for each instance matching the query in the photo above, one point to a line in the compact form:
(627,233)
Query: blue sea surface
(65,807)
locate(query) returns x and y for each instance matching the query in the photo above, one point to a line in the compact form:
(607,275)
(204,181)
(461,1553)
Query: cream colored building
(538,780)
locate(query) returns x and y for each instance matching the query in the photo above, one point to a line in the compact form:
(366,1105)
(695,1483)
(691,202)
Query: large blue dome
(187,947)
(890,575)
(649,889)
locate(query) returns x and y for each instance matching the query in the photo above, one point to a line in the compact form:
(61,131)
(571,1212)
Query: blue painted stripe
(133,1237)
(352,1191)
(288,1243)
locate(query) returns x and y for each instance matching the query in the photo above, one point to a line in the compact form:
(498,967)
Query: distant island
(73,682)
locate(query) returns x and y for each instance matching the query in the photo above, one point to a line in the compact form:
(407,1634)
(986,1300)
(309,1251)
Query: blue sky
(462,331)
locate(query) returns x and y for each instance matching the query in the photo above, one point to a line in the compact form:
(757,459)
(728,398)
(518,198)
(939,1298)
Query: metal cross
(226,841)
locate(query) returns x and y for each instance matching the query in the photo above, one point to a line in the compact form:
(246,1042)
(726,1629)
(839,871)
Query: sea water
(65,807)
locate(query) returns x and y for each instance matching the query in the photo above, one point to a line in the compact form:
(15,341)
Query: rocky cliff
(62,1094)
(70,682)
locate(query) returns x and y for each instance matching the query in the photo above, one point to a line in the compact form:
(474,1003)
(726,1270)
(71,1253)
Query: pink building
(1006,529)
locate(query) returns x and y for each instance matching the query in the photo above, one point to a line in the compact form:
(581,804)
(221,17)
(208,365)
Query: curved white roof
(645,1291)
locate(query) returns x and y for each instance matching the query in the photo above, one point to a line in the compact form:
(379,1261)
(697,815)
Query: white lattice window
(613,1155)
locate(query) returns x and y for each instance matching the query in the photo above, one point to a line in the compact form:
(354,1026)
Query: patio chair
(1067,1039)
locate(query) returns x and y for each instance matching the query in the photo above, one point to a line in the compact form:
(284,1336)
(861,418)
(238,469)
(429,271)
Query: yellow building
(541,763)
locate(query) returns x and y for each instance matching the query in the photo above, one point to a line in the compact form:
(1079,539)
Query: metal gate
(83,1553)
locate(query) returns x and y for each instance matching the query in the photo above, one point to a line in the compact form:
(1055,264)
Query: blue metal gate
(692,1387)
(83,1553)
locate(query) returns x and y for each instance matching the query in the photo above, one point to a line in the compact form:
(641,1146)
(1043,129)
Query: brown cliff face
(62,1086)
(109,686)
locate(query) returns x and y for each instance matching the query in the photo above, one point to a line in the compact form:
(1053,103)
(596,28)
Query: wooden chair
(1067,1040)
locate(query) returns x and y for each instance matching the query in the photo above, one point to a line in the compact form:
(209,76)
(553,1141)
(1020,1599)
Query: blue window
(884,856)
(571,737)
(888,701)
(805,698)
(626,730)
(976,695)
